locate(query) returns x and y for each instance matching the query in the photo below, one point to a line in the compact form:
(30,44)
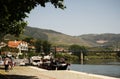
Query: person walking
(6,64)
(11,62)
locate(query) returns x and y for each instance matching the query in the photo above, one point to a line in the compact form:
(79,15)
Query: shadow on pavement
(17,77)
(2,68)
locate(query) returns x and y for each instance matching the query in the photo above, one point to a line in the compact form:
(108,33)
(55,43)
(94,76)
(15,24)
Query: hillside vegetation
(53,36)
(107,39)
(58,38)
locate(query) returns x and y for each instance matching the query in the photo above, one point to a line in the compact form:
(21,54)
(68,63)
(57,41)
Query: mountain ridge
(61,38)
(52,36)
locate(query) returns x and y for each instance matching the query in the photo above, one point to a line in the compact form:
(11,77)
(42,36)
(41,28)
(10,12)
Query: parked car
(22,63)
(35,60)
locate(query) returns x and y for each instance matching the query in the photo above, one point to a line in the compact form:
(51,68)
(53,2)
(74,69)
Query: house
(59,49)
(21,45)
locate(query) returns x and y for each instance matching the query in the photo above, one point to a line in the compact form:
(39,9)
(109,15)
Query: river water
(107,70)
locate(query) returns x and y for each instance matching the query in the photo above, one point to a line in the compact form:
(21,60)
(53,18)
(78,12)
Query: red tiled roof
(14,43)
(59,49)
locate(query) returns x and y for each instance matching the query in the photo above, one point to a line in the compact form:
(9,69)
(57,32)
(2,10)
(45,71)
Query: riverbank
(107,70)
(29,72)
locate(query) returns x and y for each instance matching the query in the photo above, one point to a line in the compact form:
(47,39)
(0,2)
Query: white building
(21,45)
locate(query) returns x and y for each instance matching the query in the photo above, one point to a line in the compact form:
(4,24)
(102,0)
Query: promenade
(29,72)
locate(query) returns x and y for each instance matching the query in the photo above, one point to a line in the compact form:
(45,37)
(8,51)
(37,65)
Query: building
(60,49)
(21,45)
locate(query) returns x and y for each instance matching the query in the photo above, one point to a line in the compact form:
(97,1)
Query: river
(107,70)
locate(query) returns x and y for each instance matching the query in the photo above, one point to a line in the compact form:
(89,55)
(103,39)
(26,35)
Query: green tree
(10,49)
(77,50)
(69,58)
(38,46)
(30,54)
(46,47)
(30,40)
(13,12)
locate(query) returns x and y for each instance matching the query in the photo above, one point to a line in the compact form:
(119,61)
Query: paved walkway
(28,72)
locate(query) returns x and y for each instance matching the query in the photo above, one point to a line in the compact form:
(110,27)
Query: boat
(54,64)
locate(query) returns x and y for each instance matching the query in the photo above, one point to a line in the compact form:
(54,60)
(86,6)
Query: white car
(36,62)
(22,63)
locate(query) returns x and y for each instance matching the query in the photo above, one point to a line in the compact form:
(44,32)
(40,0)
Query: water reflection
(102,61)
(107,70)
(107,67)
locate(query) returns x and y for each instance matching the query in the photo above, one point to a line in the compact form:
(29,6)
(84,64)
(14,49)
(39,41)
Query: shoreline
(95,75)
(71,74)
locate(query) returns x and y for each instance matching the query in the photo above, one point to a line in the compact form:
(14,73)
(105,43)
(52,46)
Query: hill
(53,36)
(57,38)
(107,39)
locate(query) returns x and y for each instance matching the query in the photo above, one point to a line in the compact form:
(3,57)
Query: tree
(10,49)
(69,58)
(76,50)
(46,47)
(38,46)
(13,13)
(30,40)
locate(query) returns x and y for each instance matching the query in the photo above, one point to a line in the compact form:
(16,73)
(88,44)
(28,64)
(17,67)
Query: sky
(80,17)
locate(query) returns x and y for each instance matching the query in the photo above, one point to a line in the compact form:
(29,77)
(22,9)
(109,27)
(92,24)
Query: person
(11,62)
(6,64)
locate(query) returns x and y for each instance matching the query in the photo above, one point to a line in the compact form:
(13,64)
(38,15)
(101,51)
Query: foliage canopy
(13,13)
(76,49)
